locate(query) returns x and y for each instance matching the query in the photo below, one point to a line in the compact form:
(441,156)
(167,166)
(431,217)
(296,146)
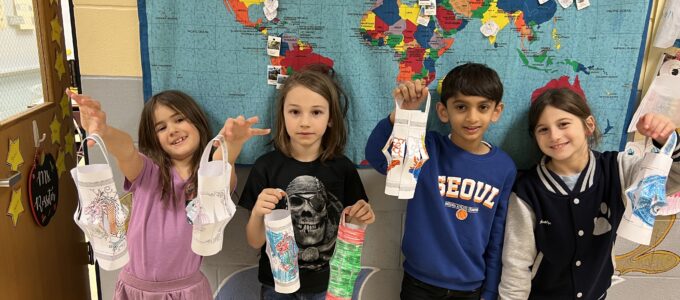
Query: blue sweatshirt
(455,222)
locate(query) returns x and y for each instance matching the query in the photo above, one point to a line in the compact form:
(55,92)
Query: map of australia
(216,51)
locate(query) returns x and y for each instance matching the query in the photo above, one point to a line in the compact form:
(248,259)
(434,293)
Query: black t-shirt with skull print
(317,194)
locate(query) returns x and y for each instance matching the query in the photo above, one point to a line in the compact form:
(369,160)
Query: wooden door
(39,262)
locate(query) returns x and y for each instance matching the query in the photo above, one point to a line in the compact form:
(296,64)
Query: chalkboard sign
(43,189)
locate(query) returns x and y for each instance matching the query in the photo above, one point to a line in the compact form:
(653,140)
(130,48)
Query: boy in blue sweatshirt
(455,222)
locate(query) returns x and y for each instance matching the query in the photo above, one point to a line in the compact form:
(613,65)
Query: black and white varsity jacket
(559,242)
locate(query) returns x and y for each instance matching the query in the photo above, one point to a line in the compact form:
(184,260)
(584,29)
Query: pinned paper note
(15,206)
(274,45)
(270,9)
(272,74)
(14,158)
(490,28)
(55,128)
(431,10)
(271,5)
(581,4)
(565,3)
(422,19)
(280,80)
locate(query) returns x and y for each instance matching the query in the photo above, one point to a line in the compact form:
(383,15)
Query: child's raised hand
(266,201)
(92,117)
(239,130)
(656,126)
(360,212)
(411,94)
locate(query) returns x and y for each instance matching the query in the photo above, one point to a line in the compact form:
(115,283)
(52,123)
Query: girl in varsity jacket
(564,213)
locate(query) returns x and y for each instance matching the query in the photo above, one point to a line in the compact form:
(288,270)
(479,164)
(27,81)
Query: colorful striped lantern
(346,261)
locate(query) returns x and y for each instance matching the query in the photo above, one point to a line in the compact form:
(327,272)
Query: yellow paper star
(15,206)
(56,30)
(65,105)
(59,64)
(60,163)
(55,127)
(14,158)
(68,144)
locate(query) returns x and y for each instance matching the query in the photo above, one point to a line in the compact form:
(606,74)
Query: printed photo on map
(274,45)
(272,74)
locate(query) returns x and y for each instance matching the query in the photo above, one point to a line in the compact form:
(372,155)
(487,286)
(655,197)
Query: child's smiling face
(563,136)
(469,117)
(178,137)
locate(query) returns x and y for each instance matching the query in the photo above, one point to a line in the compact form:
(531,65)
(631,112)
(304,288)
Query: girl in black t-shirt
(309,167)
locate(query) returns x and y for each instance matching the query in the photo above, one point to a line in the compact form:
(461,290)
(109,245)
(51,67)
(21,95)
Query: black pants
(414,289)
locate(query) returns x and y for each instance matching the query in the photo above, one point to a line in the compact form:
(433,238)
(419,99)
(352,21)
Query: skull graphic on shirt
(315,213)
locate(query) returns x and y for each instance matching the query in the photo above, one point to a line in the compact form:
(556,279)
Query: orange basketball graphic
(461,214)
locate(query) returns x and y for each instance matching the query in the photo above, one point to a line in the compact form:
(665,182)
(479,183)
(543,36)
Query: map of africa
(215,50)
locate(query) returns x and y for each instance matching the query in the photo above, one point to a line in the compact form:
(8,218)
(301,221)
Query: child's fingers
(396,93)
(411,89)
(364,213)
(240,121)
(367,218)
(649,121)
(253,120)
(268,205)
(274,193)
(84,100)
(260,131)
(655,127)
(357,207)
(418,85)
(642,123)
(667,129)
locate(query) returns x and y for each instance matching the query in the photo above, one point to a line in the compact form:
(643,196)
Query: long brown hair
(321,80)
(566,100)
(151,147)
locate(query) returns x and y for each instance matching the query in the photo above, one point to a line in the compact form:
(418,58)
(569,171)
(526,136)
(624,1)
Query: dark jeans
(414,289)
(268,293)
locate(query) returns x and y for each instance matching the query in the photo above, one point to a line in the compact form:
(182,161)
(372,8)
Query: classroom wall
(108,44)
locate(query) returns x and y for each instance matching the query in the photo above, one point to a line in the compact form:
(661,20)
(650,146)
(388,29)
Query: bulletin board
(217,52)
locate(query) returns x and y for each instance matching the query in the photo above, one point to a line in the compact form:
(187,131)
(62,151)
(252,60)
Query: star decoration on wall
(69,144)
(15,206)
(56,30)
(55,128)
(59,64)
(14,158)
(60,163)
(65,105)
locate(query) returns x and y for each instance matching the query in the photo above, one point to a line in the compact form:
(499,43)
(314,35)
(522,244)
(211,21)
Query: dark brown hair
(566,100)
(321,80)
(472,79)
(151,147)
